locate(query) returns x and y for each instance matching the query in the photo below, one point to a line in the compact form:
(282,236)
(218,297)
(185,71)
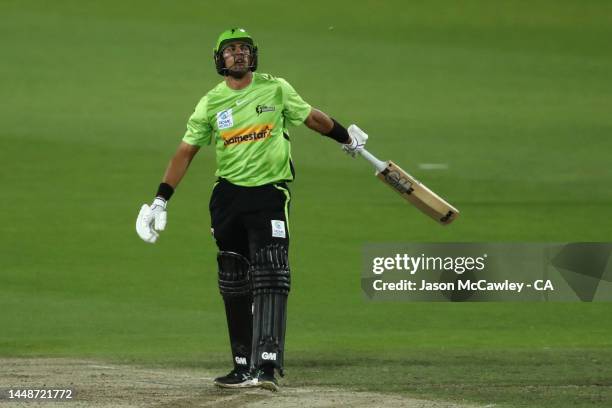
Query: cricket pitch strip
(99,384)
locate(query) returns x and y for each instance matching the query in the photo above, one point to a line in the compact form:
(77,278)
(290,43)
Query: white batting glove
(358,141)
(151,220)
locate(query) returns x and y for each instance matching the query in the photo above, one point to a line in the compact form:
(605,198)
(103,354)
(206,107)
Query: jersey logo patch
(252,134)
(263,108)
(225,119)
(278,229)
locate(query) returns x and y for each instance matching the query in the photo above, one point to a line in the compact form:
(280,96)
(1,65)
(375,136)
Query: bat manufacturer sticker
(397,181)
(447,217)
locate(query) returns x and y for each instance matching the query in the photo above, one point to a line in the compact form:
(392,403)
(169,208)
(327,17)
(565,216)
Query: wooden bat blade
(418,194)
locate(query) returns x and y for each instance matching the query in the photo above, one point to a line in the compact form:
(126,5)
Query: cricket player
(246,117)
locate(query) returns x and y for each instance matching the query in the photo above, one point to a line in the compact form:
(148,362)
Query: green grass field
(514,96)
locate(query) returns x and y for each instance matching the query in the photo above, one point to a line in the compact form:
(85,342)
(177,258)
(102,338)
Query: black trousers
(244,220)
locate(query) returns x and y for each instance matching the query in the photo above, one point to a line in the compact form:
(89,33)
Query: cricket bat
(411,189)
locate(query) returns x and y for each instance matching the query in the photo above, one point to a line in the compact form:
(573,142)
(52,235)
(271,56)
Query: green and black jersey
(248,127)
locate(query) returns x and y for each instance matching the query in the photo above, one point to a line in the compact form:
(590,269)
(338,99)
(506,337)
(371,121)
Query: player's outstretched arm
(321,122)
(152,219)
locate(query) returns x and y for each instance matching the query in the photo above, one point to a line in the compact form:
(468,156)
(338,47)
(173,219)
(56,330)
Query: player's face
(237,56)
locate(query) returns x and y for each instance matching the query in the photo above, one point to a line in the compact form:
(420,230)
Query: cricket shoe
(237,378)
(265,379)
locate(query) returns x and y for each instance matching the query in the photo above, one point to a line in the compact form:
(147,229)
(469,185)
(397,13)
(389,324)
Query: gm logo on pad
(268,356)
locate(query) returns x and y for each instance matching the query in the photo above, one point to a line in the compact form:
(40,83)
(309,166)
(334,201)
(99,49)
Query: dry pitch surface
(99,384)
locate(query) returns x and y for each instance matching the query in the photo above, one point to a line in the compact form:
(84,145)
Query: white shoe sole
(246,384)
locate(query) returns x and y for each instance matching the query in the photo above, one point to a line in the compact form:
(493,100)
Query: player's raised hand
(151,219)
(358,140)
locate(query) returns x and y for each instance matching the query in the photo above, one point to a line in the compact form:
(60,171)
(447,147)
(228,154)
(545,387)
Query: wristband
(165,191)
(338,133)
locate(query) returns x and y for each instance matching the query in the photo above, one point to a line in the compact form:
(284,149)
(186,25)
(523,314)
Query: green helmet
(233,34)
